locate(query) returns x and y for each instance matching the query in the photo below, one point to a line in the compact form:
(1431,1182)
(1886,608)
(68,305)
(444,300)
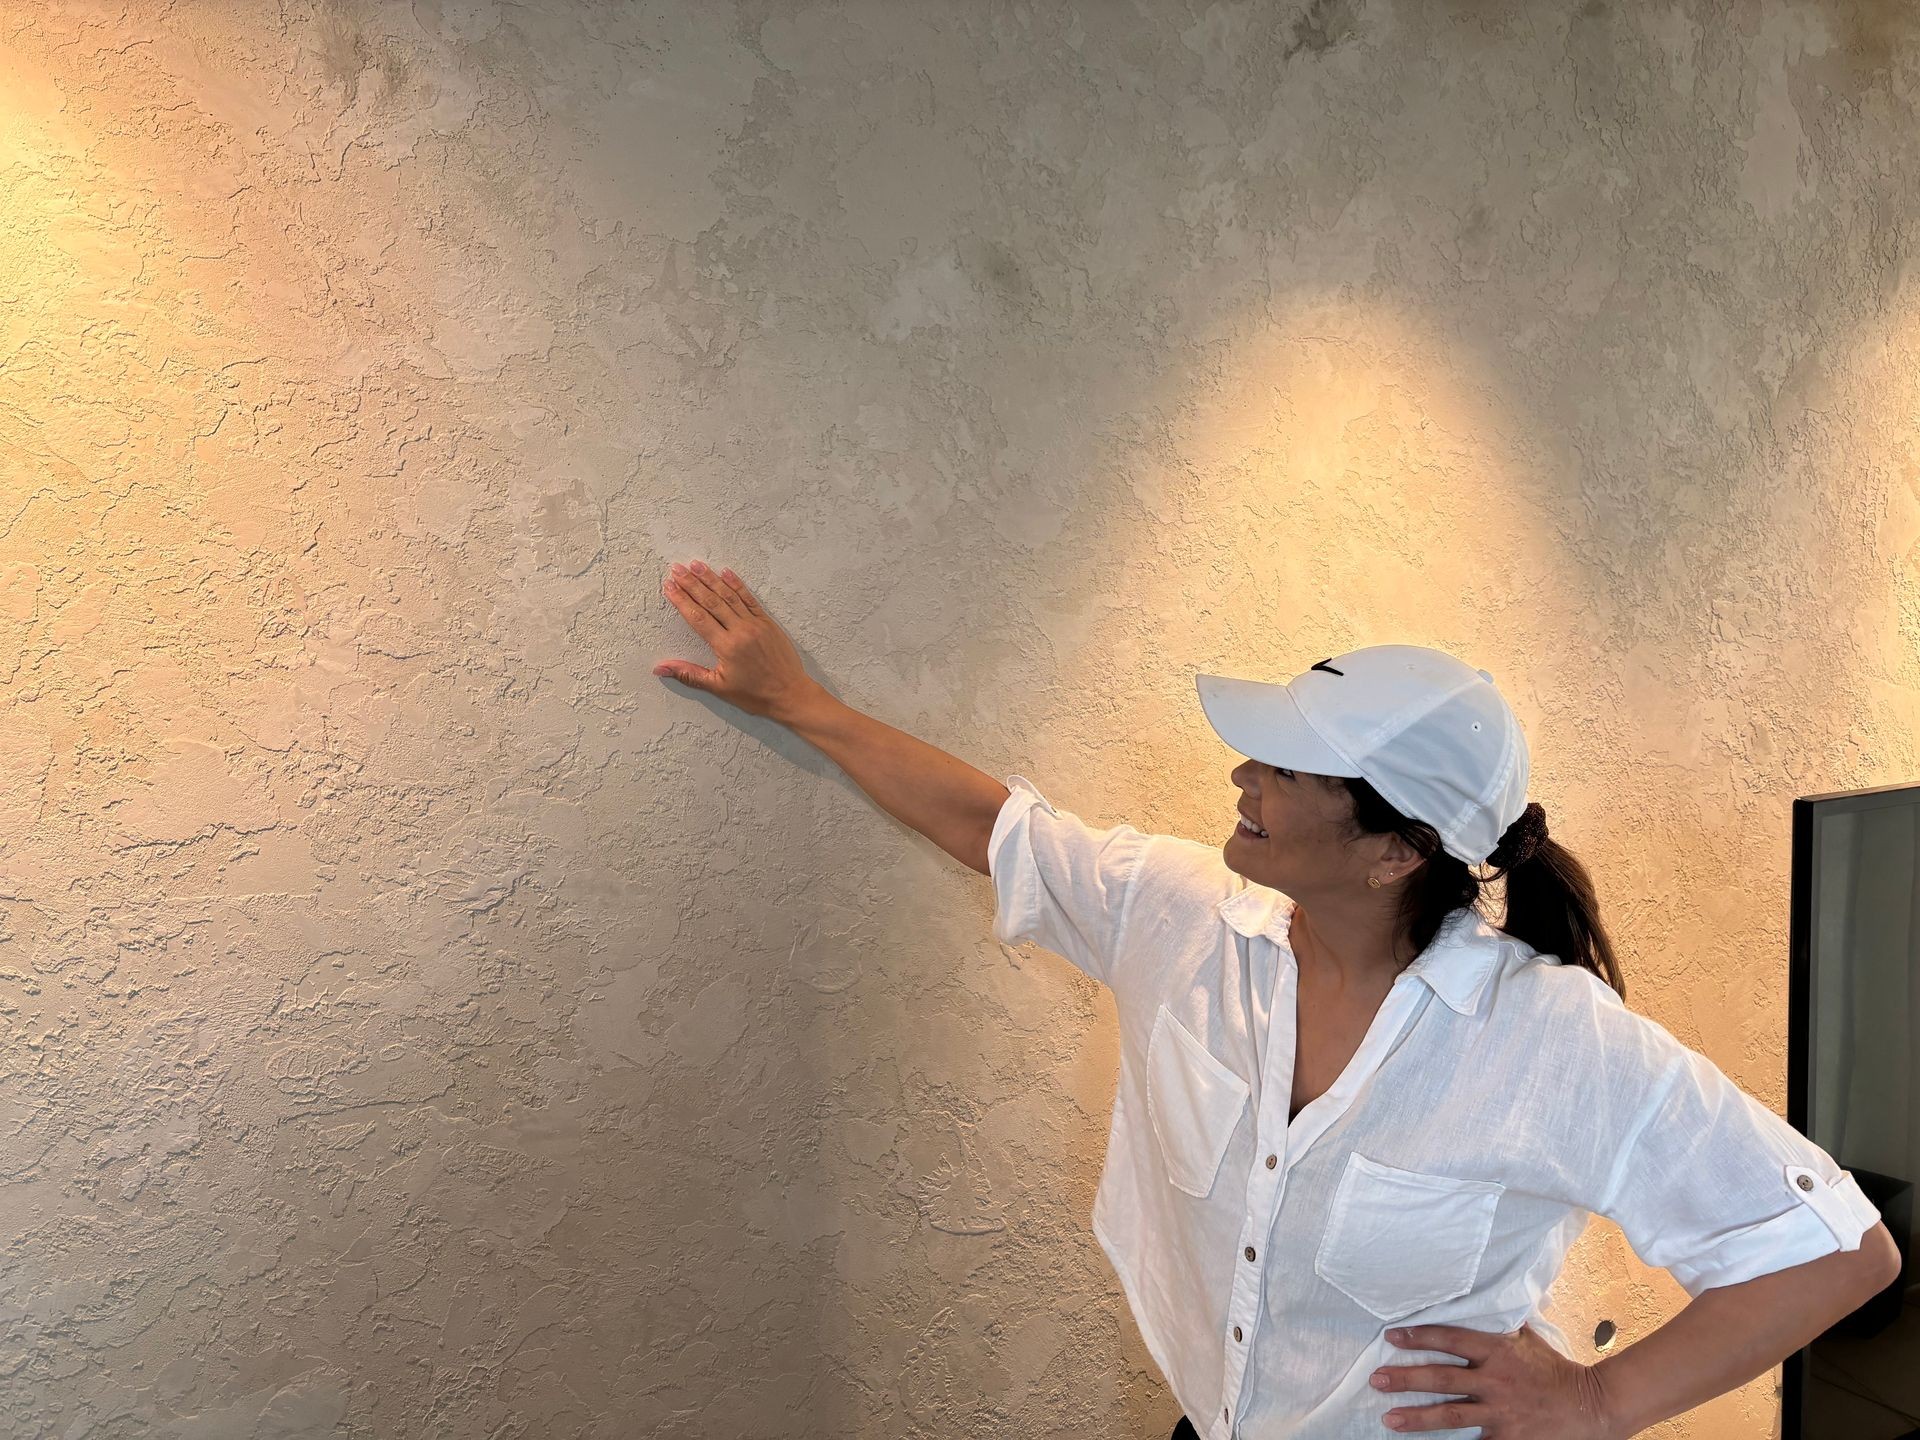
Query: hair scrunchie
(1523,838)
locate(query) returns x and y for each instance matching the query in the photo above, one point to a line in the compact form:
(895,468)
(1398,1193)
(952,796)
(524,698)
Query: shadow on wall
(490,1039)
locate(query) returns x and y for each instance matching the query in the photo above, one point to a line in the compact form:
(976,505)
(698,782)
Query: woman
(1347,1227)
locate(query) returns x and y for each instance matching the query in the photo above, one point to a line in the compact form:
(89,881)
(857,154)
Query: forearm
(947,800)
(1729,1334)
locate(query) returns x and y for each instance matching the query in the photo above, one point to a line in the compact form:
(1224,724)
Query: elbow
(1880,1257)
(977,852)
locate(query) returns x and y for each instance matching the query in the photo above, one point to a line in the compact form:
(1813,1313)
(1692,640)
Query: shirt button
(1236,1332)
(1249,1252)
(1805,1182)
(1272,1160)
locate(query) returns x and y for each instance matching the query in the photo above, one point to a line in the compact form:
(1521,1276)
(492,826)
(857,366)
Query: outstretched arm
(757,668)
(940,795)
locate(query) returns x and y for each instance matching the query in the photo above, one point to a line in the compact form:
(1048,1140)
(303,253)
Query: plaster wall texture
(423,1021)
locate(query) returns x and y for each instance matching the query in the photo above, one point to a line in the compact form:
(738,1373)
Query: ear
(1401,856)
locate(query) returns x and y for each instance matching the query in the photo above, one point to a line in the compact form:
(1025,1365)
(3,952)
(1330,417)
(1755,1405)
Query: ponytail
(1550,899)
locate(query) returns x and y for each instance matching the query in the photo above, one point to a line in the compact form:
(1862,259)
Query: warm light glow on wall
(422,1020)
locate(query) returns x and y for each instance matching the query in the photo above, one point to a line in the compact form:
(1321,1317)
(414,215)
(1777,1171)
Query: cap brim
(1261,720)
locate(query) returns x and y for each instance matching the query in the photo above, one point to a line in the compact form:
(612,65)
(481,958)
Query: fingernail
(1379,1380)
(1394,1420)
(1396,1334)
(700,565)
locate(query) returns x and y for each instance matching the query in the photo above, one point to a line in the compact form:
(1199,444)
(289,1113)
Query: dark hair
(1550,900)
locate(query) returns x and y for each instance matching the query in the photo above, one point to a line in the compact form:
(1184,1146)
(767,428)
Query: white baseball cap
(1425,729)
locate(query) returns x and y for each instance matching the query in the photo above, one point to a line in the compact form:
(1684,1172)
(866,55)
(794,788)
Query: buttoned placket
(1279,1144)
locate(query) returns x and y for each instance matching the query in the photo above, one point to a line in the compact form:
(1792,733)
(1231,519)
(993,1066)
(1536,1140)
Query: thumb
(696,676)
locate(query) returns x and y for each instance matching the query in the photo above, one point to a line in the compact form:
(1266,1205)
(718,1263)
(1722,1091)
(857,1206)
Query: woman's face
(1304,815)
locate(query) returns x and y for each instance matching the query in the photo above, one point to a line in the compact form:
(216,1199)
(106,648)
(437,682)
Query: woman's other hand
(1517,1387)
(755,665)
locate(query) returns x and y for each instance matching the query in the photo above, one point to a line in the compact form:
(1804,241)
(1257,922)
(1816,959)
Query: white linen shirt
(1498,1098)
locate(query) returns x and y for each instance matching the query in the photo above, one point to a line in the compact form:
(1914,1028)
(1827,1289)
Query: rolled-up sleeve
(1059,882)
(1715,1188)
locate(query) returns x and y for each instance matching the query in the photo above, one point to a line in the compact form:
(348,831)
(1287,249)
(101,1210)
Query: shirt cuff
(1016,886)
(1830,1215)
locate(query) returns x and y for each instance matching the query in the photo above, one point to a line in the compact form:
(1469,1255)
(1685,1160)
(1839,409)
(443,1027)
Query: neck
(1353,946)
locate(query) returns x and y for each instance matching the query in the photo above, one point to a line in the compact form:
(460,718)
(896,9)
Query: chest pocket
(1194,1100)
(1399,1240)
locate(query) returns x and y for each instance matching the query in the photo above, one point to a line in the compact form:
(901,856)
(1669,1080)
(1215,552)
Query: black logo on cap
(1322,665)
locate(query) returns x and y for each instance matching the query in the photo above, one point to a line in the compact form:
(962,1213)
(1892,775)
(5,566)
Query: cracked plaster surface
(423,1021)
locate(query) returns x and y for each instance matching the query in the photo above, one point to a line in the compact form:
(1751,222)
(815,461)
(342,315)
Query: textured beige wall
(421,1020)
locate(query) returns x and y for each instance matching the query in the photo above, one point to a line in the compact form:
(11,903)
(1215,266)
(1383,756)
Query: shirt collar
(1456,964)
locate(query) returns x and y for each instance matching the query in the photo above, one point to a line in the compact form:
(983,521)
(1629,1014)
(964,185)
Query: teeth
(1252,829)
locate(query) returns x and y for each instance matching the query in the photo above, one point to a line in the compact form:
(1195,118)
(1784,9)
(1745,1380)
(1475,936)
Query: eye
(1282,770)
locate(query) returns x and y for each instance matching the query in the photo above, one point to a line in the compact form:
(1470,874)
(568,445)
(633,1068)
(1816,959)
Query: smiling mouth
(1244,828)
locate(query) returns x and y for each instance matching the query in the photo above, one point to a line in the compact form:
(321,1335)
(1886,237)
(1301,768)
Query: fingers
(1435,1379)
(693,609)
(744,595)
(1453,1415)
(695,677)
(702,589)
(713,603)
